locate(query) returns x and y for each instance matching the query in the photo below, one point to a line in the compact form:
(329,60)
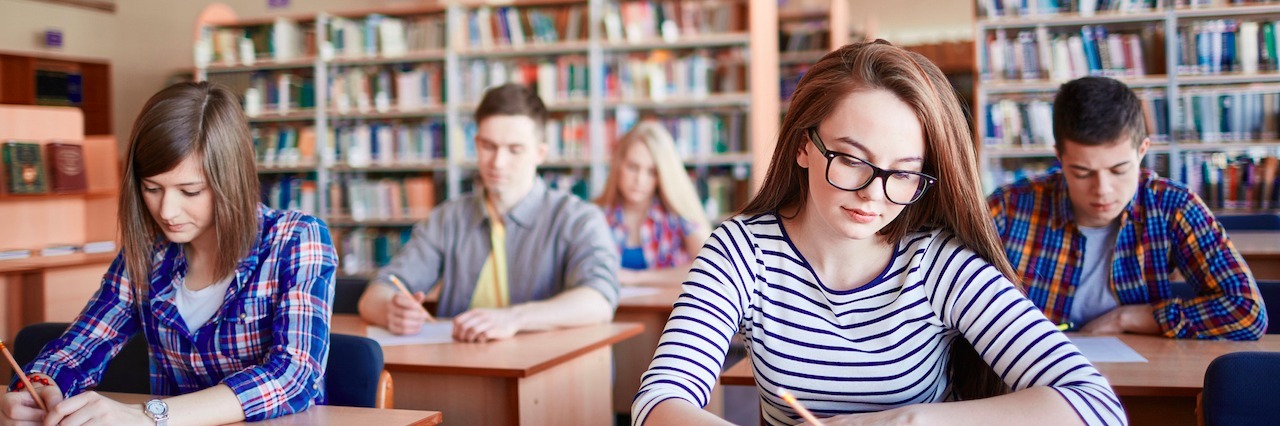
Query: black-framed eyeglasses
(850,173)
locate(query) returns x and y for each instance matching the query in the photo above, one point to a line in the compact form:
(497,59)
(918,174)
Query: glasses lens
(903,187)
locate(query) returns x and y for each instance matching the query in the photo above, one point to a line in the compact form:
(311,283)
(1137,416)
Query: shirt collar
(526,211)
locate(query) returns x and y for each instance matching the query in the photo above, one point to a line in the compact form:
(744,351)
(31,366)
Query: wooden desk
(1161,391)
(633,356)
(327,414)
(1261,251)
(551,377)
(46,289)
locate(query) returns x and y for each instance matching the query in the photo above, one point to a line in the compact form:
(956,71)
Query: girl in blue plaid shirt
(237,298)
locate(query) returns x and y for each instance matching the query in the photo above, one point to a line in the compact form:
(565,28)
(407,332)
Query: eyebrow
(850,142)
(1086,169)
(149,181)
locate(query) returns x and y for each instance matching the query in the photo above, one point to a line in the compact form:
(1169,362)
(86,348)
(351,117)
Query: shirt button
(243,316)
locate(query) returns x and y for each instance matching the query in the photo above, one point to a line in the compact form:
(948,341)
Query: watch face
(157,407)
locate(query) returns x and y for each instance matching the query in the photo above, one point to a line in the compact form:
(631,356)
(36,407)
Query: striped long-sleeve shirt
(878,346)
(269,342)
(1165,228)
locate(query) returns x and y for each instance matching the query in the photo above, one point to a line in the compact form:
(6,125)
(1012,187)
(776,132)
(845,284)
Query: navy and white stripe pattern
(879,346)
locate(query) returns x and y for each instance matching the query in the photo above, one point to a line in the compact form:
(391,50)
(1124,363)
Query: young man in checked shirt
(1096,242)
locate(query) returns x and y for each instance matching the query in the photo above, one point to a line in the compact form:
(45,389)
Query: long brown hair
(675,189)
(955,203)
(183,120)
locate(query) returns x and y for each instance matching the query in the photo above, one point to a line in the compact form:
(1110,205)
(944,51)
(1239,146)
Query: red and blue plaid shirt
(661,235)
(269,342)
(1164,228)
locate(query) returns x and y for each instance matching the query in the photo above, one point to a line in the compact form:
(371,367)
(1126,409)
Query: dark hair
(512,99)
(955,203)
(1097,111)
(184,120)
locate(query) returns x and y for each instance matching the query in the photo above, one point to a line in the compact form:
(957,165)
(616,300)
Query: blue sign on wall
(277,4)
(53,38)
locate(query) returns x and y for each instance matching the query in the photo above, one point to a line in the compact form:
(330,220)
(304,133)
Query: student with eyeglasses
(866,276)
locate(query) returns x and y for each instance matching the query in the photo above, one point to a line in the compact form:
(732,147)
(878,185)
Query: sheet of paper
(633,291)
(431,333)
(1106,349)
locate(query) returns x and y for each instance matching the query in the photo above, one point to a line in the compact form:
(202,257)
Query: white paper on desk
(431,333)
(1106,349)
(632,291)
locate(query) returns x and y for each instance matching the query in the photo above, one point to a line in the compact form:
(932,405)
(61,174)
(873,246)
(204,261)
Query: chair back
(354,376)
(346,294)
(1250,222)
(1240,389)
(129,371)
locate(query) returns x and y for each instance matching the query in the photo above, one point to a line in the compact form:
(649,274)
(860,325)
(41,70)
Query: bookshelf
(335,125)
(1207,72)
(58,80)
(42,288)
(804,35)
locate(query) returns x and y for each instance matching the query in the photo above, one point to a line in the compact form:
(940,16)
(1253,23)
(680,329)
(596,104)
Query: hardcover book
(24,167)
(66,167)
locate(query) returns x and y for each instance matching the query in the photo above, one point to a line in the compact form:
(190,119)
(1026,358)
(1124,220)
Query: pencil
(22,376)
(804,412)
(400,285)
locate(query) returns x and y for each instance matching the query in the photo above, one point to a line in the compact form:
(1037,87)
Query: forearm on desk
(217,405)
(577,306)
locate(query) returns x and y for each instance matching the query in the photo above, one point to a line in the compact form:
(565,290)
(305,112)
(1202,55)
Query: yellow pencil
(1064,326)
(804,412)
(22,376)
(400,285)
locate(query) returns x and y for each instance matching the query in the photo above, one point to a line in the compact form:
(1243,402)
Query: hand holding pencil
(406,314)
(27,405)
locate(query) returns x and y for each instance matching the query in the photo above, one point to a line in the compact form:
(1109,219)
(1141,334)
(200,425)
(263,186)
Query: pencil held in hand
(804,412)
(21,376)
(403,289)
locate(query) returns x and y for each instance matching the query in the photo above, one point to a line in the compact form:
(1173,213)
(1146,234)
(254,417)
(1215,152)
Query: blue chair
(1250,222)
(1240,389)
(128,371)
(354,376)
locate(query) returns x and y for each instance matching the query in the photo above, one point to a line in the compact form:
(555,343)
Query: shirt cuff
(1168,315)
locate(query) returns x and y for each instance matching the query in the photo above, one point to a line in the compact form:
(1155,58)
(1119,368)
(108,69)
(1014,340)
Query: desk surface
(36,263)
(524,355)
(1173,367)
(1256,243)
(328,414)
(659,301)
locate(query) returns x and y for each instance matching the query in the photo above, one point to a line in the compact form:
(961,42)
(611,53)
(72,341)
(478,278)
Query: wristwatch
(158,410)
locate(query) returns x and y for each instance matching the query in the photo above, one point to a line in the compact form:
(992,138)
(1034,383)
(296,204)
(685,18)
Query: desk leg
(1160,410)
(575,392)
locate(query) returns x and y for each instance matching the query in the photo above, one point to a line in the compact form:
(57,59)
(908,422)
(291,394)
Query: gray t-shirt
(1093,294)
(555,241)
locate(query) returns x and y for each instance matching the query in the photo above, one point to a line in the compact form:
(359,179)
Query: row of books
(363,250)
(362,144)
(1094,50)
(290,192)
(998,8)
(556,79)
(378,35)
(508,26)
(282,40)
(804,36)
(670,20)
(1229,115)
(662,74)
(283,145)
(402,87)
(55,167)
(1228,45)
(1240,182)
(1029,122)
(279,92)
(59,250)
(704,134)
(363,199)
(789,78)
